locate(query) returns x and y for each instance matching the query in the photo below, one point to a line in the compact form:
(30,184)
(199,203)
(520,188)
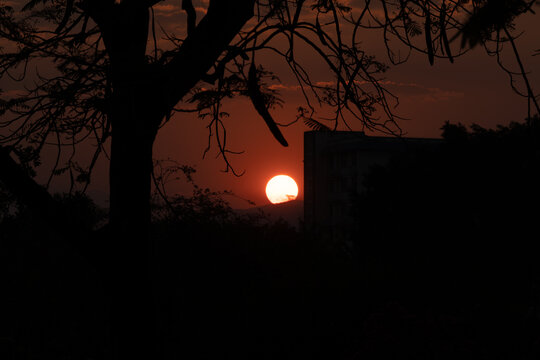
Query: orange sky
(473,89)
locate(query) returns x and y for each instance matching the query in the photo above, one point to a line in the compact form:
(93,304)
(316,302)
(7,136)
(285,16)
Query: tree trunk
(141,96)
(124,27)
(129,266)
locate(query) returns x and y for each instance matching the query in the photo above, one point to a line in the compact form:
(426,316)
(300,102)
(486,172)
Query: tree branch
(202,49)
(187,6)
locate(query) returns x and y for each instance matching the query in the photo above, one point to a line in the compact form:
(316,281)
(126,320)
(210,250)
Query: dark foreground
(444,266)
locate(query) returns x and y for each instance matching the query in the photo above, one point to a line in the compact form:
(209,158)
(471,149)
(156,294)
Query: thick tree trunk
(129,252)
(129,271)
(140,100)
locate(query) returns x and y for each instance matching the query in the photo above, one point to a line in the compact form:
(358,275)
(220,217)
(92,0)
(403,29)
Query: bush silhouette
(447,238)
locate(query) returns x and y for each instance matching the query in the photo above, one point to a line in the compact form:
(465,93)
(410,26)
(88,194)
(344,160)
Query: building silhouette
(335,163)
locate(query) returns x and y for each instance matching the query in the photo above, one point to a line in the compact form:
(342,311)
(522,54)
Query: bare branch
(187,6)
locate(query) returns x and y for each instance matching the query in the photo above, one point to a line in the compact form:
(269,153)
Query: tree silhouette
(446,233)
(99,82)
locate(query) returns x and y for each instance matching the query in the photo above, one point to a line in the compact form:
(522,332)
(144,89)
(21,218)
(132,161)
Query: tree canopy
(62,59)
(104,73)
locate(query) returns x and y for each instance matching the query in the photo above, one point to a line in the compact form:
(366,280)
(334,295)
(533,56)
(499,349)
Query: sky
(471,90)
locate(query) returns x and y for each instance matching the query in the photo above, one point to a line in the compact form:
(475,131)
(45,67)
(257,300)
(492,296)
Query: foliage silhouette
(444,268)
(102,67)
(102,85)
(446,240)
(225,286)
(53,303)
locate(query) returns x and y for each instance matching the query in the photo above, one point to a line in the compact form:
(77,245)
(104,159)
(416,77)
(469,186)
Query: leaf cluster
(489,17)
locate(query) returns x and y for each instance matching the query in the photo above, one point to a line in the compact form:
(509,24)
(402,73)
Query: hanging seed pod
(444,38)
(320,33)
(65,18)
(257,99)
(429,43)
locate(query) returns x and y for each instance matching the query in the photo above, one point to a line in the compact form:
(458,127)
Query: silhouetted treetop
(479,186)
(85,52)
(110,74)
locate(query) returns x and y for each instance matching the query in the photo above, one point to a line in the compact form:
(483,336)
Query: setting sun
(281,188)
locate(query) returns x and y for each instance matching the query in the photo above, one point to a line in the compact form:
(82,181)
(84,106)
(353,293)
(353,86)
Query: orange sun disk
(281,188)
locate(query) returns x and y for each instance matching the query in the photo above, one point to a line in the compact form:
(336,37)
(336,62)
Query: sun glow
(281,188)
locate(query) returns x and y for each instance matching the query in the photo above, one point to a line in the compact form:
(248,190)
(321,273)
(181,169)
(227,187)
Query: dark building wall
(335,163)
